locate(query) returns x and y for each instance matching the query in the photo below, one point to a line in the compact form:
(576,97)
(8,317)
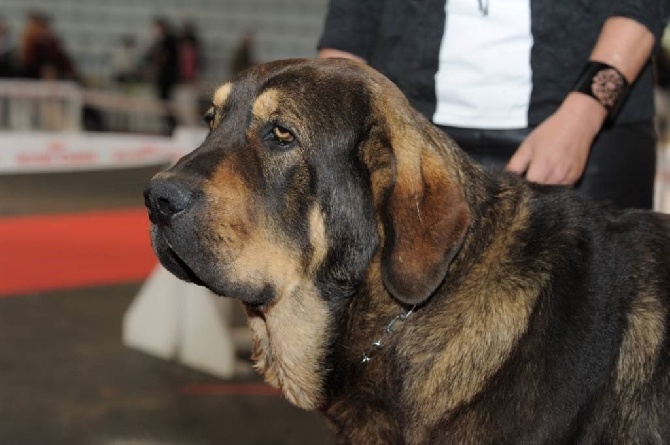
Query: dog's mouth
(185,270)
(254,297)
(172,261)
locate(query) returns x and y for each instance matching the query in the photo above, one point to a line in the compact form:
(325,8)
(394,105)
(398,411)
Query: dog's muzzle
(168,201)
(177,210)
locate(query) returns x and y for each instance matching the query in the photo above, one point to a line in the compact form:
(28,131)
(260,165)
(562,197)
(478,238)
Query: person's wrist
(585,109)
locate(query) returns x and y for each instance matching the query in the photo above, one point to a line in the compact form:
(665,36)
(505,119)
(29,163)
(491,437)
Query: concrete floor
(65,377)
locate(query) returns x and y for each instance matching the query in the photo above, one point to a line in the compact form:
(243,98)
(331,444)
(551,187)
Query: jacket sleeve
(351,26)
(653,14)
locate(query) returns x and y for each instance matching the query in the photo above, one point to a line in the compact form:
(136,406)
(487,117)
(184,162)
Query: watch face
(607,84)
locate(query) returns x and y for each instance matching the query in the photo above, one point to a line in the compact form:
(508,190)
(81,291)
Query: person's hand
(557,150)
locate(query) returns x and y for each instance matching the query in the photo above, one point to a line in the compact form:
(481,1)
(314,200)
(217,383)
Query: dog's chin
(171,261)
(254,297)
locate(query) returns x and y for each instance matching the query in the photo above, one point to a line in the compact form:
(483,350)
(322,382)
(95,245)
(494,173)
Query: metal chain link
(379,343)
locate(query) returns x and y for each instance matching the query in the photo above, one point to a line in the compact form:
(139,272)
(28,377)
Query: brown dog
(404,292)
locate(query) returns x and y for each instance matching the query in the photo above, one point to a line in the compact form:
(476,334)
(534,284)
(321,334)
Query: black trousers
(620,171)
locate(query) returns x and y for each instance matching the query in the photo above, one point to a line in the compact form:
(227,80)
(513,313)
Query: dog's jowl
(405,293)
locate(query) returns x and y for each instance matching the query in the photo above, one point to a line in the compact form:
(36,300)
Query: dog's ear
(420,203)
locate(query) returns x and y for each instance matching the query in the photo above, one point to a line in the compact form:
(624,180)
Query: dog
(403,291)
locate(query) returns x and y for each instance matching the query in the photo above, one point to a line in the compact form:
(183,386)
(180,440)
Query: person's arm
(326,53)
(350,29)
(557,150)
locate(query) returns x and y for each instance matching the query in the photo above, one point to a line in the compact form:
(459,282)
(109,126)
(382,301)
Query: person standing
(190,59)
(561,92)
(164,63)
(7,53)
(42,55)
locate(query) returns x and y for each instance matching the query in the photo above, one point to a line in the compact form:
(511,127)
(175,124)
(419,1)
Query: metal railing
(49,106)
(27,105)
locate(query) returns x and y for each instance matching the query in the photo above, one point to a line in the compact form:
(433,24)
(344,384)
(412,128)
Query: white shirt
(484,79)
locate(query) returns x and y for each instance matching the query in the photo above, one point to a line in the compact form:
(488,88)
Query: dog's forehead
(221,95)
(264,101)
(295,82)
(319,101)
(266,104)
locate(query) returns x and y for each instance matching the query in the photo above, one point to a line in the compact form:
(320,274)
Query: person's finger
(520,161)
(541,173)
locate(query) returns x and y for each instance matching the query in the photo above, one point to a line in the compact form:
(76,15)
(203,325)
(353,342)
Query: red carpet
(51,252)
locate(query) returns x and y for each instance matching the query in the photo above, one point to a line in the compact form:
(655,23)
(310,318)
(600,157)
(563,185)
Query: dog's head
(312,171)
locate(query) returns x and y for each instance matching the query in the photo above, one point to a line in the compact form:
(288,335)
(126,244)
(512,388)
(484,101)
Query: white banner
(50,152)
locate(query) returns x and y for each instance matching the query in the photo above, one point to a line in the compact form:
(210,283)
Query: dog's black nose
(166,198)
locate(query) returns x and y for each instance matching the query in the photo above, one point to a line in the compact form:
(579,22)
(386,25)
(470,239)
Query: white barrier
(174,320)
(50,152)
(38,152)
(38,105)
(30,105)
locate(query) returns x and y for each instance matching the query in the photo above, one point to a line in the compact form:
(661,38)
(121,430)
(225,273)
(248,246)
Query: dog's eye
(209,117)
(281,136)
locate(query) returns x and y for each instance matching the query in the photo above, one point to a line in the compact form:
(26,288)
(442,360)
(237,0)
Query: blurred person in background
(7,68)
(163,58)
(190,59)
(42,55)
(125,61)
(561,92)
(32,30)
(7,53)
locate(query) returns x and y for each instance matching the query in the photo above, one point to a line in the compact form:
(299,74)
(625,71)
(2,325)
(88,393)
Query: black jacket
(401,38)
